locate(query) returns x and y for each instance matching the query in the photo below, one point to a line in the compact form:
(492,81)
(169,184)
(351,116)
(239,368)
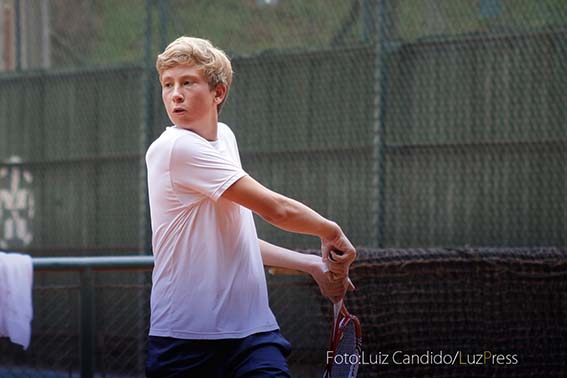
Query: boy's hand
(338,253)
(330,286)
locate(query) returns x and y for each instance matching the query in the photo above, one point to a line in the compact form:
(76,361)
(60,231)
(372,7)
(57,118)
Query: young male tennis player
(209,306)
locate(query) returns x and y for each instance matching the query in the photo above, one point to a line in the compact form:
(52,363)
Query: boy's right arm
(293,216)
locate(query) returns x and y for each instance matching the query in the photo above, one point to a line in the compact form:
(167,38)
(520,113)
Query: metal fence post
(88,331)
(18,32)
(146,131)
(379,90)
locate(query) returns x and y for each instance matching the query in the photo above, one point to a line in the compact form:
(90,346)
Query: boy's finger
(340,270)
(325,253)
(340,258)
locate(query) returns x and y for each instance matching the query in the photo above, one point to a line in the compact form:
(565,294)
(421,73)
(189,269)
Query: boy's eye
(187,82)
(167,85)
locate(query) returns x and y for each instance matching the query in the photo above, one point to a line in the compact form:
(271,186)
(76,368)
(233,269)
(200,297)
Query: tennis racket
(345,345)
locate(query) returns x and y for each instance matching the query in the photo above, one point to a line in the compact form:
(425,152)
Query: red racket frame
(337,330)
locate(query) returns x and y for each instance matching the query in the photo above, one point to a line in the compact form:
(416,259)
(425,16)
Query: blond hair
(200,53)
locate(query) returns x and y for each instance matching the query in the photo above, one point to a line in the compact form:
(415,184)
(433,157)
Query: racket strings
(347,355)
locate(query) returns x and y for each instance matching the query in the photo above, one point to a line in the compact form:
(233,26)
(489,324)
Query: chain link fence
(83,329)
(92,318)
(412,123)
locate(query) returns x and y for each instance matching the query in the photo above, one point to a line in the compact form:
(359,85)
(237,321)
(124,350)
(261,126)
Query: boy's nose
(177,96)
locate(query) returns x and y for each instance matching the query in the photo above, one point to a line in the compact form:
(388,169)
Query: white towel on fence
(16,309)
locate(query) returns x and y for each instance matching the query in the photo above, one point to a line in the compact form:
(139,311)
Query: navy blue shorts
(258,355)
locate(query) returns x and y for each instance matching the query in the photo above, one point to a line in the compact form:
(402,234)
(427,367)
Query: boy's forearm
(279,257)
(297,217)
(279,210)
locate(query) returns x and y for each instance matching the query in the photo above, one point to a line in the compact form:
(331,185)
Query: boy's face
(187,96)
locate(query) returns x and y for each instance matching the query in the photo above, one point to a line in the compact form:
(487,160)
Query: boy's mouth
(178,110)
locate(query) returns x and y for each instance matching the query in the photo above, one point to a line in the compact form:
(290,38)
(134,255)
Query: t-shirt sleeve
(197,166)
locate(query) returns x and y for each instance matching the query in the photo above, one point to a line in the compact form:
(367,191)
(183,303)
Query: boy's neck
(207,129)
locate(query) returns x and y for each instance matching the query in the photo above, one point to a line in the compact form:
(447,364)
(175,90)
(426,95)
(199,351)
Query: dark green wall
(78,136)
(474,143)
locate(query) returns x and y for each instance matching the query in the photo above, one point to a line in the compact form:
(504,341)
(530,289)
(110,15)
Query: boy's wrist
(331,232)
(312,264)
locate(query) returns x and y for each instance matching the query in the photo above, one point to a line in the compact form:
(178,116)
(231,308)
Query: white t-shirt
(208,277)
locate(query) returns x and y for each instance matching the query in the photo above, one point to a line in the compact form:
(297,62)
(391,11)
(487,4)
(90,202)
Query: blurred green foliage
(115,31)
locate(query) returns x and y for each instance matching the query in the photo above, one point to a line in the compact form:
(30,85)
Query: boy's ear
(220,93)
